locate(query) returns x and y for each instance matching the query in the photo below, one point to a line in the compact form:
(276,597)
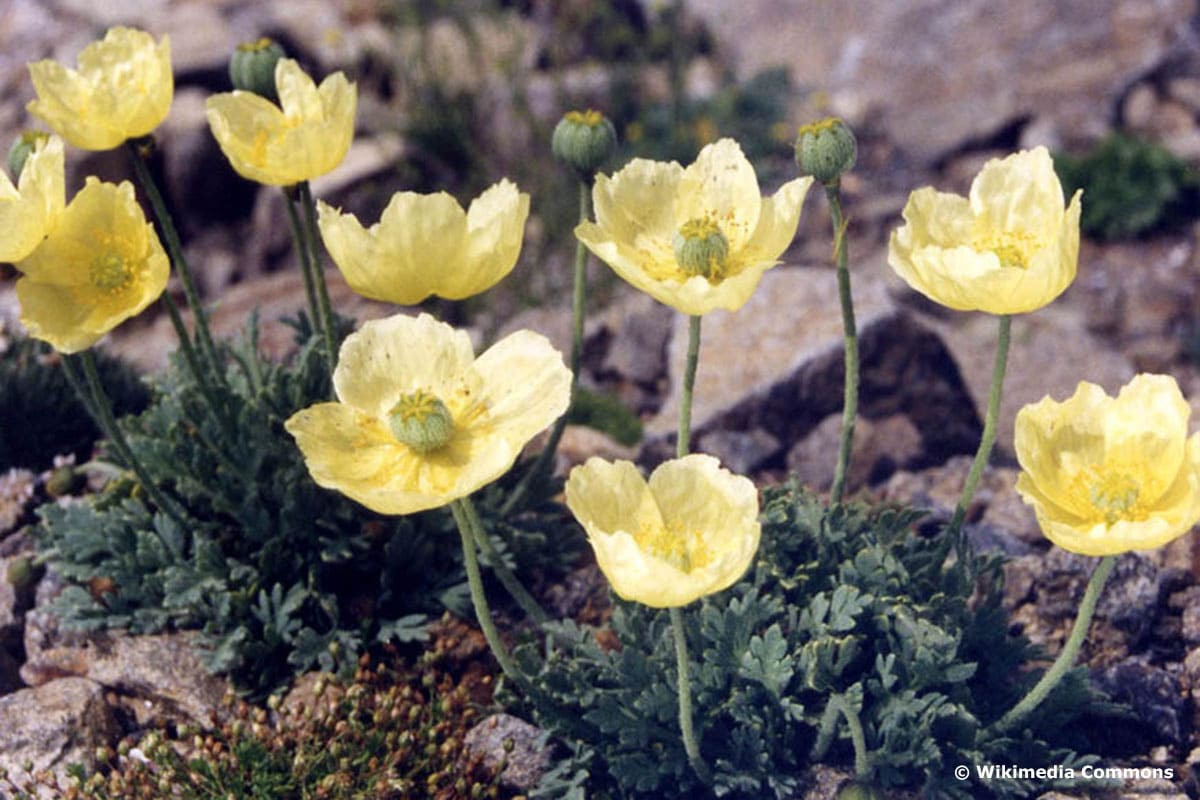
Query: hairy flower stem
(688,729)
(137,151)
(101,405)
(328,323)
(850,334)
(510,581)
(1066,659)
(463,511)
(837,706)
(690,743)
(545,459)
(987,439)
(307,269)
(684,440)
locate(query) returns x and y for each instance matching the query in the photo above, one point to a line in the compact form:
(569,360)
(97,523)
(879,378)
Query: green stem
(306,268)
(690,744)
(175,250)
(989,431)
(108,424)
(328,324)
(683,442)
(510,582)
(475,581)
(545,459)
(1066,659)
(836,706)
(850,334)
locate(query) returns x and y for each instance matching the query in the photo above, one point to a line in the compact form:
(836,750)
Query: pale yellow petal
(721,185)
(398,355)
(607,497)
(777,223)
(1020,193)
(496,228)
(525,387)
(49,312)
(1145,432)
(636,206)
(356,253)
(422,240)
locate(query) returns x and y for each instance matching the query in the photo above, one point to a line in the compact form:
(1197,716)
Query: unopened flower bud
(825,149)
(252,67)
(23,147)
(584,140)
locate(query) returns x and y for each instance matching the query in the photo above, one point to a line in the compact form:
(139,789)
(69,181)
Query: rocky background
(454,95)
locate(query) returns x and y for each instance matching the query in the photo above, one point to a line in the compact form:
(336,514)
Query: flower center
(675,545)
(421,421)
(701,248)
(1013,248)
(591,117)
(110,273)
(1114,496)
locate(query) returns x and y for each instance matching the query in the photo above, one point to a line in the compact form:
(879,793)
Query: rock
(965,77)
(505,739)
(1053,335)
(742,452)
(776,364)
(53,726)
(161,675)
(996,507)
(579,443)
(878,449)
(16,492)
(825,782)
(1154,695)
(640,330)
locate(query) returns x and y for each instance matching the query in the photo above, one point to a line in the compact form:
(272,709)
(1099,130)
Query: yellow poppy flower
(691,531)
(420,421)
(1108,475)
(122,90)
(696,239)
(305,136)
(29,210)
(425,244)
(101,264)
(1009,248)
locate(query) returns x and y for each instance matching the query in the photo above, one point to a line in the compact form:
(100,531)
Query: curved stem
(690,743)
(328,325)
(850,335)
(175,250)
(510,581)
(545,459)
(1065,660)
(989,432)
(683,442)
(483,613)
(108,424)
(836,706)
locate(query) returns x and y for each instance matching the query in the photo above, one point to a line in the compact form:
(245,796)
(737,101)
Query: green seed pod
(23,147)
(252,67)
(584,140)
(825,149)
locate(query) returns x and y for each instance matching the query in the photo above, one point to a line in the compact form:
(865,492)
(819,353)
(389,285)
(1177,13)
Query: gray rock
(741,452)
(878,449)
(1155,696)
(966,71)
(503,739)
(160,674)
(777,364)
(53,726)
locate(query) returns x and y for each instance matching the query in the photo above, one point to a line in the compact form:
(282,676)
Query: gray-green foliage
(846,603)
(279,575)
(40,414)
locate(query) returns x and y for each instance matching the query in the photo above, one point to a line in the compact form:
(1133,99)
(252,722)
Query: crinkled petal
(525,387)
(721,184)
(496,228)
(777,223)
(388,358)
(1020,193)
